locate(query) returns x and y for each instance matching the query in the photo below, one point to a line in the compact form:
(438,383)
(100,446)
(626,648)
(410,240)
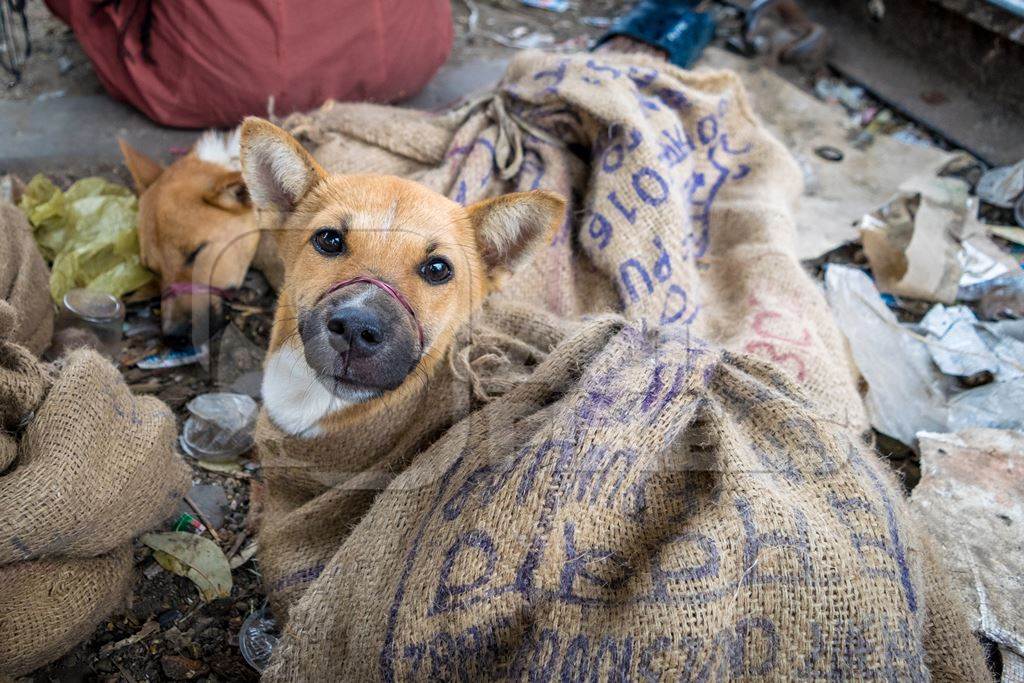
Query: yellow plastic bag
(88,234)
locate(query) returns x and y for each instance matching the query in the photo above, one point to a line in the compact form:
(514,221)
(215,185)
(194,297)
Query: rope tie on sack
(508,144)
(491,363)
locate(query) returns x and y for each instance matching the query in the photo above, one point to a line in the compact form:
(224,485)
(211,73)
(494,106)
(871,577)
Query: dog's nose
(358,329)
(194,329)
(178,335)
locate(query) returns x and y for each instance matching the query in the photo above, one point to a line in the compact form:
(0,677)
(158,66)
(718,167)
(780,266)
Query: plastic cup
(220,426)
(97,317)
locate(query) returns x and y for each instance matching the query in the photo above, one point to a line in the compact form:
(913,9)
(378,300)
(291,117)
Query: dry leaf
(195,557)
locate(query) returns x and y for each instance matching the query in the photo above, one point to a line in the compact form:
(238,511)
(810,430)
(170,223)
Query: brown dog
(197,231)
(379,274)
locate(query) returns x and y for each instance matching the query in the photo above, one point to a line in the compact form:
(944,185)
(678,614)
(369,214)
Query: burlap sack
(50,605)
(84,467)
(679,493)
(24,281)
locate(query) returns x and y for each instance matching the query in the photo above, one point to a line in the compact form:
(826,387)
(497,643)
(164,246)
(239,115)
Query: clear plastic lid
(97,307)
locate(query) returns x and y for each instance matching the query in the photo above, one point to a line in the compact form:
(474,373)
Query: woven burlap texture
(24,282)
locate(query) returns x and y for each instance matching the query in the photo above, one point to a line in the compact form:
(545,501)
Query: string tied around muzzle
(387,289)
(176,289)
(511,129)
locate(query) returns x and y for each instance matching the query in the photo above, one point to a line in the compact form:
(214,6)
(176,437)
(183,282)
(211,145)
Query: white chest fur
(294,397)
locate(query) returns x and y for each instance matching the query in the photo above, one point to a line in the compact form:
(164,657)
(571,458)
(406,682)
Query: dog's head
(380,273)
(197,230)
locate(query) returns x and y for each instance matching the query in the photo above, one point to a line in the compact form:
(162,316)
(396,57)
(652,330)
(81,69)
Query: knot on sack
(492,363)
(508,145)
(305,126)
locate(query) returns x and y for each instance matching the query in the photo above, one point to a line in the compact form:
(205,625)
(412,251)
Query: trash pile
(936,332)
(868,119)
(932,305)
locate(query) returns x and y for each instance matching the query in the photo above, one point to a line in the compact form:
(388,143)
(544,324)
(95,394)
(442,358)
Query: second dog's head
(380,273)
(197,231)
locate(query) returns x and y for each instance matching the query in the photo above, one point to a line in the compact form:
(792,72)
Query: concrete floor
(77,135)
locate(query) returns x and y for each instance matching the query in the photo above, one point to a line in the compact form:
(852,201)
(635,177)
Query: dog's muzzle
(389,290)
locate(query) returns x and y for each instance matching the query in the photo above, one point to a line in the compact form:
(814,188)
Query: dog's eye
(436,270)
(328,241)
(191,258)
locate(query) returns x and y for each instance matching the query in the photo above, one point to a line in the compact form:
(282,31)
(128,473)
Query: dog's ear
(509,228)
(144,169)
(277,169)
(229,193)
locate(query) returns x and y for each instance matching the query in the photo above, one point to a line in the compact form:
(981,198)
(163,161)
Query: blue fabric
(671,25)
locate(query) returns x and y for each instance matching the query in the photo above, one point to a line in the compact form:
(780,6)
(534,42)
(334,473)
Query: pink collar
(389,290)
(176,289)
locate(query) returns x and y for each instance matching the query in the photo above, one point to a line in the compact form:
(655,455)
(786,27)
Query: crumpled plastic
(927,241)
(906,393)
(907,390)
(998,298)
(220,426)
(89,235)
(955,344)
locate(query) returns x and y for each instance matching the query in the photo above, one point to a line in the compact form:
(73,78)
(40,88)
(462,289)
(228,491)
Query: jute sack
(24,281)
(643,507)
(680,492)
(84,467)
